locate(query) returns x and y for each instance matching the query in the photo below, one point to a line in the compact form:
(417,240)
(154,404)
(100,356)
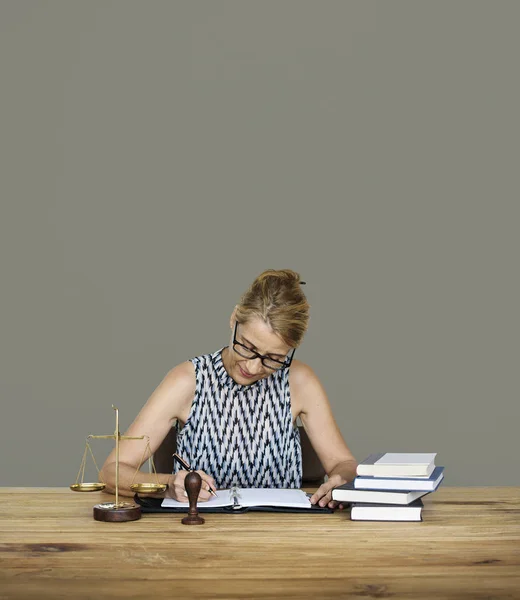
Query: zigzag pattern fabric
(241,434)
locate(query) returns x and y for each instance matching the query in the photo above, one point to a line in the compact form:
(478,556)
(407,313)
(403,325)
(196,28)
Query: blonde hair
(276,296)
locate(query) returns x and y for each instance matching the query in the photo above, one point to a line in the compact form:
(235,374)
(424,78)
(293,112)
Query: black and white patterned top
(241,434)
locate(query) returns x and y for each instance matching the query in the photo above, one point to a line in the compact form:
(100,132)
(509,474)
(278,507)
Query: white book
(398,464)
(382,512)
(348,493)
(409,484)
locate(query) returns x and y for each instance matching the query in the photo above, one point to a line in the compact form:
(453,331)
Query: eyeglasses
(267,361)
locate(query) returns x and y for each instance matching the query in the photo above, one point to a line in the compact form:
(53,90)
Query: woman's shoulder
(301,374)
(301,379)
(184,374)
(181,379)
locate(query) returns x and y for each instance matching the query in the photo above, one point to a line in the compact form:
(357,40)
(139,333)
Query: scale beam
(113,437)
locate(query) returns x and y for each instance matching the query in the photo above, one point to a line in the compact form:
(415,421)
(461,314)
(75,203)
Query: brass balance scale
(117,511)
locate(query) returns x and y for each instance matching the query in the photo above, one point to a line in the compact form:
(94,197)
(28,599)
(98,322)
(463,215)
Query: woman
(235,410)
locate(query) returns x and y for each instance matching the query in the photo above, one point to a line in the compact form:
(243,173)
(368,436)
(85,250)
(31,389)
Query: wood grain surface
(468,546)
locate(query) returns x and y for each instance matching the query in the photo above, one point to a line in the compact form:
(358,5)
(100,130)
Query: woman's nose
(254,366)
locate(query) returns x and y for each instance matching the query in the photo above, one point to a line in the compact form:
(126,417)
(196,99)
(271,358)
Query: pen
(186,466)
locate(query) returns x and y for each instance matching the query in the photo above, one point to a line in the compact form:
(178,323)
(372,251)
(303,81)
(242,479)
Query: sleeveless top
(241,435)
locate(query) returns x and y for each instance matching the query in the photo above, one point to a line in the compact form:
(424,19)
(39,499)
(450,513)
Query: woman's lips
(244,374)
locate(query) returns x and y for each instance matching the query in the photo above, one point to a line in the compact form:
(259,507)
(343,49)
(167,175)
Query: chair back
(313,471)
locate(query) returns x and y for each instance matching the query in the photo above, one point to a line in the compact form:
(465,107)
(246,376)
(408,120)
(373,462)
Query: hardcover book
(382,512)
(398,464)
(409,484)
(348,493)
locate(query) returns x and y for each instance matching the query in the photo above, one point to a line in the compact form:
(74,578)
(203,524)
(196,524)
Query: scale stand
(117,511)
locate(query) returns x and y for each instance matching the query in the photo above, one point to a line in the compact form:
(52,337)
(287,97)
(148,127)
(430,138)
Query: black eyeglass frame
(283,364)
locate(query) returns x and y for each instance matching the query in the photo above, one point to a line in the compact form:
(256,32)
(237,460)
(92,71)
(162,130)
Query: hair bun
(277,298)
(279,274)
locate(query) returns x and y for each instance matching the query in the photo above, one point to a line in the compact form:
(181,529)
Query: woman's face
(257,336)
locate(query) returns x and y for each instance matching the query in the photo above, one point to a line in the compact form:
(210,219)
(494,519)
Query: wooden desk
(468,546)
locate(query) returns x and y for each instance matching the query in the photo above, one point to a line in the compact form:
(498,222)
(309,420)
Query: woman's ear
(233,318)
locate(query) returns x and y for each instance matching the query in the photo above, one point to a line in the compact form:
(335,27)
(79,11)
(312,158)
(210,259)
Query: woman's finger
(322,495)
(208,480)
(318,494)
(336,504)
(204,495)
(327,497)
(180,494)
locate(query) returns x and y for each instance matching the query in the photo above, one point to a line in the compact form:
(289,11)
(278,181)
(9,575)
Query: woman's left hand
(323,495)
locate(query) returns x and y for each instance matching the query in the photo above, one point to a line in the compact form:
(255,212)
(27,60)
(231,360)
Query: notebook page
(223,499)
(273,497)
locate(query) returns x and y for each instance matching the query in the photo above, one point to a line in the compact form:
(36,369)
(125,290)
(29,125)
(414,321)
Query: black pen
(186,466)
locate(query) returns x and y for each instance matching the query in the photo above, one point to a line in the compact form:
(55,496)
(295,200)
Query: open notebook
(240,500)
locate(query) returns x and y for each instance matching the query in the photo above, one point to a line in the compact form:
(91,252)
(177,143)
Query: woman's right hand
(177,491)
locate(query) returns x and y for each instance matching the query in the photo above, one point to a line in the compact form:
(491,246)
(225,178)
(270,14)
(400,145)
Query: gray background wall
(156,156)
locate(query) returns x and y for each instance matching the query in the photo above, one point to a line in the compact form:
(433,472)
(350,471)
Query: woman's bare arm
(165,405)
(324,434)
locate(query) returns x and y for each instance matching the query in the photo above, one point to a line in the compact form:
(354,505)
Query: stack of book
(389,486)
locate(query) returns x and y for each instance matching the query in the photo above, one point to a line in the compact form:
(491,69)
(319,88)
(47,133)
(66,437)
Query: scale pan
(148,488)
(87,487)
